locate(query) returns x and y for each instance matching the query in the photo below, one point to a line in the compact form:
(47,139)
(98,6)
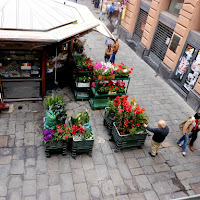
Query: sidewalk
(131,174)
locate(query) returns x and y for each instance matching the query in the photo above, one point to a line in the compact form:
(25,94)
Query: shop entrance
(188,68)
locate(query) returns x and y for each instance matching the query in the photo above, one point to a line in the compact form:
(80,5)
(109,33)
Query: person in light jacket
(159,136)
(187,128)
(104,8)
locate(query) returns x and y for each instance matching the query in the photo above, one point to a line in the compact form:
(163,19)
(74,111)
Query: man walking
(159,136)
(115,50)
(111,10)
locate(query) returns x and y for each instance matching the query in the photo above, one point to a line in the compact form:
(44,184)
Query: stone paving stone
(172,163)
(196,187)
(19,131)
(162,188)
(98,157)
(132,163)
(14,194)
(189,166)
(4,141)
(78,176)
(184,175)
(159,159)
(146,161)
(17,167)
(3,189)
(29,127)
(30,198)
(178,168)
(30,162)
(29,187)
(43,195)
(55,192)
(66,182)
(5,160)
(121,190)
(76,163)
(107,188)
(128,153)
(161,167)
(151,195)
(81,191)
(122,197)
(87,162)
(137,171)
(19,153)
(95,192)
(41,167)
(148,170)
(131,186)
(64,165)
(102,172)
(193,159)
(42,181)
(163,176)
(30,173)
(91,177)
(143,182)
(54,178)
(178,195)
(69,196)
(124,171)
(53,163)
(106,148)
(119,156)
(116,177)
(29,139)
(138,196)
(110,161)
(15,182)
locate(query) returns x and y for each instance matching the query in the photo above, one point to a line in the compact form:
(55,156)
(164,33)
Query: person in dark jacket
(193,136)
(159,136)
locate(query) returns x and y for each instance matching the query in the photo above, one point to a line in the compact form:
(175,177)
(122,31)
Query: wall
(130,18)
(188,20)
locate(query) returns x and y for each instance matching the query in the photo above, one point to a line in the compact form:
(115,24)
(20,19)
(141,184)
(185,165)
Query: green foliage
(83,79)
(51,100)
(81,118)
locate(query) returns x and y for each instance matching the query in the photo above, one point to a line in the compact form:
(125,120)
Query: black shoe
(111,140)
(151,154)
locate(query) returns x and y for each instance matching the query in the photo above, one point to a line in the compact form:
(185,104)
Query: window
(175,6)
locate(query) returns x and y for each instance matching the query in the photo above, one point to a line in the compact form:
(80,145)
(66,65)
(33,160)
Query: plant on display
(103,68)
(84,63)
(129,117)
(62,132)
(83,79)
(80,132)
(121,70)
(81,118)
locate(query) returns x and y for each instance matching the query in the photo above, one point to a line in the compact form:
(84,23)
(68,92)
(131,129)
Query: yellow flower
(133,100)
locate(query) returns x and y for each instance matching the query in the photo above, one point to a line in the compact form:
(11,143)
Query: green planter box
(80,146)
(54,147)
(108,121)
(123,141)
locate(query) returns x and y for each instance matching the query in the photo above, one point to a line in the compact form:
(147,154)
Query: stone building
(166,34)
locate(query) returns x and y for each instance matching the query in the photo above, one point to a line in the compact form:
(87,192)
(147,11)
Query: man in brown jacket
(187,128)
(115,50)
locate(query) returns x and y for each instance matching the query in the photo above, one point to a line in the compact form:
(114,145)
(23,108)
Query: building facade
(166,34)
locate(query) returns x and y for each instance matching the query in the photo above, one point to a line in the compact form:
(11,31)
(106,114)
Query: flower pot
(123,141)
(108,121)
(80,146)
(54,147)
(110,92)
(81,84)
(100,76)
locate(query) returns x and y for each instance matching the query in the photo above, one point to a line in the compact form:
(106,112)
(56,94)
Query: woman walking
(104,8)
(108,53)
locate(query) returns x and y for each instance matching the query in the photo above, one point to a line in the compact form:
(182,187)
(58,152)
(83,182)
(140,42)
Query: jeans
(102,15)
(107,40)
(184,138)
(193,135)
(112,60)
(110,15)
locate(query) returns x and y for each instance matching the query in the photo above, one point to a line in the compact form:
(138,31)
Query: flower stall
(126,122)
(111,81)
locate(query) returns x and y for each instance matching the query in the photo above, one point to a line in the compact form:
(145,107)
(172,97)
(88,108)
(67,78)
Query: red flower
(131,69)
(129,72)
(129,130)
(110,89)
(116,88)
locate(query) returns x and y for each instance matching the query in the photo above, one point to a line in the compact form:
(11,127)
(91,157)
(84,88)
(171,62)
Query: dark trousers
(193,137)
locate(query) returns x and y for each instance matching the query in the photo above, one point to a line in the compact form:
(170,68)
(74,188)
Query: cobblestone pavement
(131,174)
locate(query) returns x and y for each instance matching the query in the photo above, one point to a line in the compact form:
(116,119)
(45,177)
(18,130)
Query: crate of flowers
(122,71)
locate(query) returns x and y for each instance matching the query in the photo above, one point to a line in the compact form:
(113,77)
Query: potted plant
(128,129)
(84,63)
(83,81)
(121,71)
(56,141)
(82,136)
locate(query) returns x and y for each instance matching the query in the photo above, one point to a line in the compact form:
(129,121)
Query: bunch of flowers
(103,87)
(103,68)
(84,63)
(121,70)
(129,117)
(62,132)
(81,132)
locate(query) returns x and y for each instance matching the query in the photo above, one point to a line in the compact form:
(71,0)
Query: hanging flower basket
(123,141)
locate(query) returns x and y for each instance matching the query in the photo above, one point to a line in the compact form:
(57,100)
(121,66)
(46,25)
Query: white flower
(125,70)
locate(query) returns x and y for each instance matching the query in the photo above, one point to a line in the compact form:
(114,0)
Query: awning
(48,21)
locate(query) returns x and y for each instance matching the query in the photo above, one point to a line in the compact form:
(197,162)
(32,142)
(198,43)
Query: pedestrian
(108,53)
(115,50)
(187,128)
(159,136)
(103,11)
(96,3)
(195,131)
(111,28)
(111,10)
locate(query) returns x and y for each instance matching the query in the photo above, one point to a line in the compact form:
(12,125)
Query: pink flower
(66,137)
(58,126)
(60,130)
(64,125)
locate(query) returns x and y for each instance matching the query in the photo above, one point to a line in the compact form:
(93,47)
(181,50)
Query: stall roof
(44,20)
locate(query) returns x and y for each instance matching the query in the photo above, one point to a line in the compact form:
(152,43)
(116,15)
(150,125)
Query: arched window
(175,6)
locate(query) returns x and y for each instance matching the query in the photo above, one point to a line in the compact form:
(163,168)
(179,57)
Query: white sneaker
(179,145)
(184,154)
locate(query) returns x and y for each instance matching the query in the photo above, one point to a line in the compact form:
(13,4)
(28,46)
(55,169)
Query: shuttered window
(140,24)
(161,41)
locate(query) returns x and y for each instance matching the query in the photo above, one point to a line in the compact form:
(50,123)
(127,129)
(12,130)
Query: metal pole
(55,81)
